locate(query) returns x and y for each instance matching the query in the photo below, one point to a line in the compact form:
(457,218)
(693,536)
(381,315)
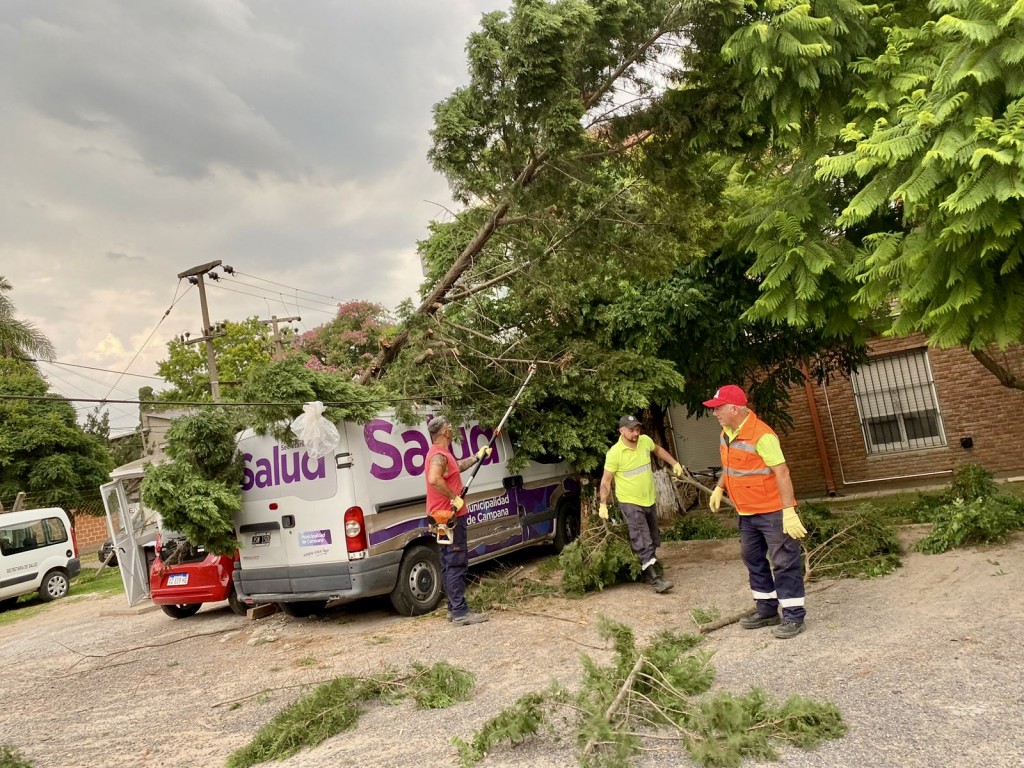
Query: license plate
(260,539)
(177,580)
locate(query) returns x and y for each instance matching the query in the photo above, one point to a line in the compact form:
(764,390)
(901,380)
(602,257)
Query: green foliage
(600,557)
(440,685)
(703,616)
(504,591)
(862,543)
(698,526)
(971,481)
(11,757)
(20,339)
(972,512)
(238,347)
(199,491)
(651,689)
(961,523)
(336,706)
(43,450)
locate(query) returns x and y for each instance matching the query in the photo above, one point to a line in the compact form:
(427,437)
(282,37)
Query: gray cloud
(287,139)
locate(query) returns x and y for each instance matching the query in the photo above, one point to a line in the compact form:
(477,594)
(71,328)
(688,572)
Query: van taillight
(355,530)
(74,542)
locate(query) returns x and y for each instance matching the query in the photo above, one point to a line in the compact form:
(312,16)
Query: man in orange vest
(755,474)
(444,499)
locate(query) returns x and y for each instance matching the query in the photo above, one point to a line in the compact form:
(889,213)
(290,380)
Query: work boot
(755,620)
(658,584)
(469,618)
(788,629)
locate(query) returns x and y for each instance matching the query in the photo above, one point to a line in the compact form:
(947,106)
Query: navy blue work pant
(644,535)
(455,568)
(780,582)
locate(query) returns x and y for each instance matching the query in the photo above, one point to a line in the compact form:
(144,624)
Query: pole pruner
(444,529)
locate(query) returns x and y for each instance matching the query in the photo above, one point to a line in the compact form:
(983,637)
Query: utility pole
(273,321)
(195,276)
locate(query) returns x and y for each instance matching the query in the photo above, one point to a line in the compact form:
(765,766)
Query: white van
(38,553)
(353,524)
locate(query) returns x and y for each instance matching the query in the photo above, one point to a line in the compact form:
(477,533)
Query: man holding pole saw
(446,507)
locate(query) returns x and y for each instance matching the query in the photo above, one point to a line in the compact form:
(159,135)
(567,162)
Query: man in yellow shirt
(628,465)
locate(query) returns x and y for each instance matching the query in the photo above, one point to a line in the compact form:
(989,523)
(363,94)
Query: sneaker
(755,620)
(788,629)
(470,618)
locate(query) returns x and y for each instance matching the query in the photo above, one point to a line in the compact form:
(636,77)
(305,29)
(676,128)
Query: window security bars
(897,404)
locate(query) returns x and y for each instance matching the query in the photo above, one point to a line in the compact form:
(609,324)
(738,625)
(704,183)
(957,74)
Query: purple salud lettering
(416,456)
(275,470)
(382,471)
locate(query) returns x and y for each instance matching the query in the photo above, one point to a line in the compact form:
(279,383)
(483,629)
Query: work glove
(677,470)
(602,511)
(716,498)
(791,524)
(458,503)
(483,453)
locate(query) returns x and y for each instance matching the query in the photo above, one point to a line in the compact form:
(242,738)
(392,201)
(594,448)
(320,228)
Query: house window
(897,404)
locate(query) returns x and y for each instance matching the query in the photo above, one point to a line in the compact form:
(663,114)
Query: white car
(38,553)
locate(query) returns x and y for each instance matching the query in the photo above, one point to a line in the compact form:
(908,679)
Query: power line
(92,368)
(206,404)
(216,284)
(174,300)
(231,271)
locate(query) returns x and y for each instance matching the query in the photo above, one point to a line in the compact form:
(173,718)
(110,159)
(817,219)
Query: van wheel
(302,608)
(55,585)
(236,605)
(567,523)
(418,589)
(181,611)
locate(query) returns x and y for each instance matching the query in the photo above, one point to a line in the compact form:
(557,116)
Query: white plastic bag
(318,435)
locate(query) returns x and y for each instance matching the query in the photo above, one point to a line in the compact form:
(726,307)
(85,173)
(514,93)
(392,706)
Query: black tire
(418,588)
(240,608)
(181,611)
(55,585)
(8,604)
(567,523)
(302,608)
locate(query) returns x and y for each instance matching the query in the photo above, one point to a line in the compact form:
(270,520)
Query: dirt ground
(926,665)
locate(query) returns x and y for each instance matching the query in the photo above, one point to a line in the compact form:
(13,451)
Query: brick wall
(972,403)
(90,532)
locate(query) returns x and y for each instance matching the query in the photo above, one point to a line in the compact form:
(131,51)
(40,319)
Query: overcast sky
(287,139)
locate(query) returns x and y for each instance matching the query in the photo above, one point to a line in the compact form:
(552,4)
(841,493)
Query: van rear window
(28,536)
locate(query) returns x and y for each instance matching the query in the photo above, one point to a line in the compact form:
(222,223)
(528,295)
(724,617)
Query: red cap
(730,394)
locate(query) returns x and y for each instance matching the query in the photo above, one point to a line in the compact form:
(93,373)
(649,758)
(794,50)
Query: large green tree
(591,208)
(43,450)
(879,162)
(238,346)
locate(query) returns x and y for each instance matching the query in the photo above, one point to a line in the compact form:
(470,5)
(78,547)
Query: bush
(700,526)
(982,520)
(860,543)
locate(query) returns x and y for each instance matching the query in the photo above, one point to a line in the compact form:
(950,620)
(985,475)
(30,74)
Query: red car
(183,577)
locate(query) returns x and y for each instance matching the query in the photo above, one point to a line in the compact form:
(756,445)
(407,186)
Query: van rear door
(292,516)
(134,572)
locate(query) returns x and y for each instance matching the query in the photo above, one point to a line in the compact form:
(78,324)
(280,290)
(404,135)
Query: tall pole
(273,321)
(195,276)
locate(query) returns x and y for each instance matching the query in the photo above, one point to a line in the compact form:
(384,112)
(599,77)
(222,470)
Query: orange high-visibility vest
(750,482)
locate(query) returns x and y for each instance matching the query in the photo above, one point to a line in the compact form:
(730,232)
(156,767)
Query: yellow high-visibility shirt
(634,481)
